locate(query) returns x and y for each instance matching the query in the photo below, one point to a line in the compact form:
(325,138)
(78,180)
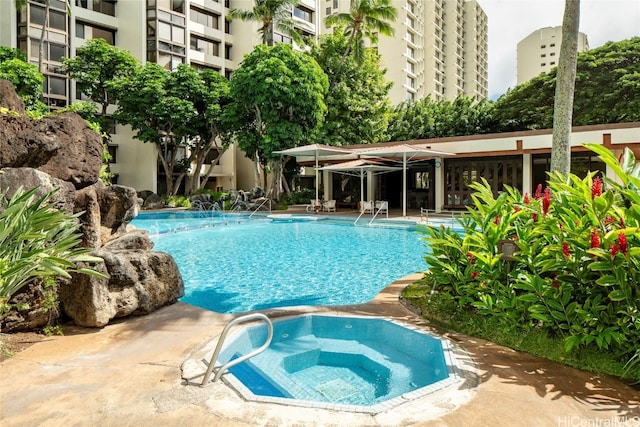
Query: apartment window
(410,22)
(170,32)
(227,51)
(335,4)
(411,82)
(172,5)
(88,31)
(410,7)
(113,152)
(410,52)
(209,47)
(303,13)
(328,11)
(106,7)
(210,20)
(410,96)
(552,63)
(543,55)
(552,54)
(543,46)
(543,64)
(411,67)
(410,37)
(552,45)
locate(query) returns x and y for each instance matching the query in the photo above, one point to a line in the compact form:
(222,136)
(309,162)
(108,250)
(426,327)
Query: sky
(510,21)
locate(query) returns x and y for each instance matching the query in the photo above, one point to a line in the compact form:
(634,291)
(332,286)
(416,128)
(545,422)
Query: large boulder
(25,142)
(118,206)
(28,310)
(79,158)
(139,282)
(13,178)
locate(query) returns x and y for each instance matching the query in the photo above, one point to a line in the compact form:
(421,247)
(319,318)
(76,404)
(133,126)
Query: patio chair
(382,206)
(367,207)
(315,206)
(329,206)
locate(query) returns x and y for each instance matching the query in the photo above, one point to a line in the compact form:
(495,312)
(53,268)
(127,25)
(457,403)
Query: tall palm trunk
(565,88)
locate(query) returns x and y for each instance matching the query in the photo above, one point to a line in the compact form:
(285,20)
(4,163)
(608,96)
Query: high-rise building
(539,52)
(439,48)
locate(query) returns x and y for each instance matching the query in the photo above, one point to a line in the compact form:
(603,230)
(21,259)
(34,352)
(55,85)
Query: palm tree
(272,14)
(366,20)
(565,87)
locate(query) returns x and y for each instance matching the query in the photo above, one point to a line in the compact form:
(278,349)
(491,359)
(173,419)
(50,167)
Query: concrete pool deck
(129,374)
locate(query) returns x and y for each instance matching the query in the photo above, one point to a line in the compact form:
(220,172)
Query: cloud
(510,21)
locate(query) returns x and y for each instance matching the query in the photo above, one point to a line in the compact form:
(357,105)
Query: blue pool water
(232,264)
(341,360)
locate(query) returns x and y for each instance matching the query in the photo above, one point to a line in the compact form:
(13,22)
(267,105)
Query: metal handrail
(231,363)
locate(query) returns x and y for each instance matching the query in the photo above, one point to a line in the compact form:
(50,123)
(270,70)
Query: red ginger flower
(474,274)
(622,242)
(596,187)
(516,208)
(538,191)
(546,200)
(535,217)
(497,220)
(526,198)
(614,250)
(609,220)
(565,250)
(595,239)
(470,258)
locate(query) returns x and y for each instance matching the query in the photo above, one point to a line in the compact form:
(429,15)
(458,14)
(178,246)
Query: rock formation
(61,152)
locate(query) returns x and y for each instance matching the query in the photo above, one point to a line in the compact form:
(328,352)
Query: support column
(370,186)
(327,185)
(527,174)
(440,184)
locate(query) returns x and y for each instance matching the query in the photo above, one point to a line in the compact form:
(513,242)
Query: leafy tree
(366,20)
(97,69)
(358,106)
(565,88)
(25,77)
(271,14)
(179,112)
(607,91)
(278,101)
(429,119)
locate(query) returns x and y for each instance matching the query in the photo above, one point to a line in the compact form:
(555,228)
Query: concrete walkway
(129,374)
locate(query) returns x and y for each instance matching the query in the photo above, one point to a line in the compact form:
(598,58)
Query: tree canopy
(427,118)
(96,69)
(607,90)
(278,102)
(25,77)
(178,111)
(358,107)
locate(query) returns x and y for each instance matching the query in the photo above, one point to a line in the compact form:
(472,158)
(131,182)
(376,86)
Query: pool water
(236,265)
(345,360)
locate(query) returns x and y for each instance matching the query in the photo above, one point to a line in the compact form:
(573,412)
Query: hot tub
(364,364)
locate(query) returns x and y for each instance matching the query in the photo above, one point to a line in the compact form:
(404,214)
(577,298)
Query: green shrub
(36,241)
(177,201)
(576,270)
(299,197)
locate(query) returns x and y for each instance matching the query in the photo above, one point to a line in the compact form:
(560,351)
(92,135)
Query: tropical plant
(37,240)
(575,273)
(272,15)
(565,88)
(366,20)
(278,101)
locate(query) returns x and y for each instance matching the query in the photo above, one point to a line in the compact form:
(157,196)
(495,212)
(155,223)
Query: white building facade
(539,52)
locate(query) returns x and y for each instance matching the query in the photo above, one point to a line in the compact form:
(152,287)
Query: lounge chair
(329,206)
(382,206)
(367,207)
(315,206)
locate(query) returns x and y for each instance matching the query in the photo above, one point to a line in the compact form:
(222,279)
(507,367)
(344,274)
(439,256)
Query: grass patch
(441,310)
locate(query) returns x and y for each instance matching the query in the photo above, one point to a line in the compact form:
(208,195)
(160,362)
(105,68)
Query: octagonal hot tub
(365,364)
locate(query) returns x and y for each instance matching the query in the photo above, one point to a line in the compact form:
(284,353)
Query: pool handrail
(214,358)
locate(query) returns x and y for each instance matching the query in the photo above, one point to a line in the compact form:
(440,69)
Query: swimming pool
(351,363)
(234,265)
